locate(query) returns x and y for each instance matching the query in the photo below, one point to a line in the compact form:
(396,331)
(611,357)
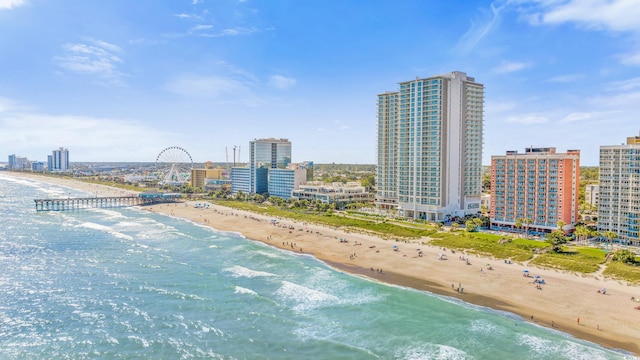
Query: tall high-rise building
(619,190)
(539,185)
(12,161)
(59,160)
(430,135)
(268,153)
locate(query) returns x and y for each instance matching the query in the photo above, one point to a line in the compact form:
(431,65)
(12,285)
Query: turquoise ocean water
(130,284)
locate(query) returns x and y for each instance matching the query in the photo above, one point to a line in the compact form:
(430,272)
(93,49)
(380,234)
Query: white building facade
(591,194)
(268,153)
(430,136)
(59,160)
(619,191)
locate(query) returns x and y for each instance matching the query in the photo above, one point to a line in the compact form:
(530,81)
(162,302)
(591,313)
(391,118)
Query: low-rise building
(337,193)
(199,176)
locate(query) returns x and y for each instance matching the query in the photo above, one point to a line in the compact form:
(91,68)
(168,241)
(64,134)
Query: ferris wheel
(174,165)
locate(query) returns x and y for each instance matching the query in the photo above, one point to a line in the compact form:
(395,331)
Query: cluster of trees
(316,205)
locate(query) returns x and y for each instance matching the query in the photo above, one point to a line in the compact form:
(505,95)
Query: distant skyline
(122,80)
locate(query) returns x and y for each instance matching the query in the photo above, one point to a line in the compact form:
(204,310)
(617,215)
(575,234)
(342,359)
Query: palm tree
(561,225)
(595,233)
(610,235)
(581,232)
(519,223)
(454,226)
(528,221)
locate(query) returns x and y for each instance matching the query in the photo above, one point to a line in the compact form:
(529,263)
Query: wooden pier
(103,202)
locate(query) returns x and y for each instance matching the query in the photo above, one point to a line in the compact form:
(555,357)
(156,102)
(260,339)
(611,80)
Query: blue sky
(121,80)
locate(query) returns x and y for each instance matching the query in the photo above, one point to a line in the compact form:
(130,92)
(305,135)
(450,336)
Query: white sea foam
(432,351)
(111,214)
(240,271)
(269,254)
(104,228)
(537,344)
(485,327)
(241,290)
(305,297)
(576,351)
(176,294)
(140,340)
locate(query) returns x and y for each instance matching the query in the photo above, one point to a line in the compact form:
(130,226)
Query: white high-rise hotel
(619,191)
(430,147)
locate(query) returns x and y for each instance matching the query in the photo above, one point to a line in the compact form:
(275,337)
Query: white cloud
(632,59)
(202,27)
(93,57)
(577,116)
(5,104)
(613,15)
(10,4)
(507,67)
(479,30)
(624,85)
(91,137)
(188,16)
(281,82)
(528,119)
(567,78)
(235,32)
(214,86)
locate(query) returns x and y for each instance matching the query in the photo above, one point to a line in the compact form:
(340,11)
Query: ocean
(131,284)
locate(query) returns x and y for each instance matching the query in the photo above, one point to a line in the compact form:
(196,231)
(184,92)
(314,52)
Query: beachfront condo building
(59,160)
(282,182)
(270,154)
(430,135)
(337,193)
(537,189)
(199,176)
(619,190)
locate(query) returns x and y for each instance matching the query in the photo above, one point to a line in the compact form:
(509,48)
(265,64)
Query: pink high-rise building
(540,187)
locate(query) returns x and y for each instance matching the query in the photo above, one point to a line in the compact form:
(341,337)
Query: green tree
(556,239)
(240,195)
(368,181)
(625,256)
(519,222)
(610,235)
(470,226)
(528,222)
(455,226)
(486,183)
(581,232)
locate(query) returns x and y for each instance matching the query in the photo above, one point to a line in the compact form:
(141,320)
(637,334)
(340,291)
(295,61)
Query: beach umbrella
(525,270)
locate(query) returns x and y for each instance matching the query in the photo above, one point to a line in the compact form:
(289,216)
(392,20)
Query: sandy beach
(566,301)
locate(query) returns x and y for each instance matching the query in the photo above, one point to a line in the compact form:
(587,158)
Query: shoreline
(608,320)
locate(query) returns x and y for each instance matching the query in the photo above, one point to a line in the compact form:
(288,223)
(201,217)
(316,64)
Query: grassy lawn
(487,245)
(382,228)
(582,260)
(621,271)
